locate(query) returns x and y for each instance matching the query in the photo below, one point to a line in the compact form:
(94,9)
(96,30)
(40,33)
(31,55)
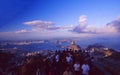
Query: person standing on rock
(77,68)
(85,69)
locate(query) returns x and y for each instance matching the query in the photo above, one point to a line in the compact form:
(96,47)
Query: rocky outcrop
(108,60)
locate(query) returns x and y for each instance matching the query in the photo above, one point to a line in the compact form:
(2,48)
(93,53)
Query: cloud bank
(84,27)
(48,29)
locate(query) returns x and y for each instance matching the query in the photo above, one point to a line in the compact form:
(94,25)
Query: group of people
(64,62)
(72,63)
(67,62)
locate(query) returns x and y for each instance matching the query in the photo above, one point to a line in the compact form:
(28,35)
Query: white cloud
(82,18)
(83,27)
(22,31)
(114,25)
(39,23)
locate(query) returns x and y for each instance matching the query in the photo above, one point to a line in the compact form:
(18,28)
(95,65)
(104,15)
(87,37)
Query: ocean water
(110,43)
(53,46)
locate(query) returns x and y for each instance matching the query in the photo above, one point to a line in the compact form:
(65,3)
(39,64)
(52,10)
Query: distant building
(106,48)
(92,50)
(108,52)
(74,47)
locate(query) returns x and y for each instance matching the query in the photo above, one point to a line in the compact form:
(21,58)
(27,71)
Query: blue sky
(39,18)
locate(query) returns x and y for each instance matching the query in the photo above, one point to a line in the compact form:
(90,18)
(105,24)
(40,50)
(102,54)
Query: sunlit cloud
(82,18)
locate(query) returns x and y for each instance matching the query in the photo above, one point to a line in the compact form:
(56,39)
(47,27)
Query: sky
(45,19)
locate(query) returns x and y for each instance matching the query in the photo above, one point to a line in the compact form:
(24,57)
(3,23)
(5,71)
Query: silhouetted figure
(49,68)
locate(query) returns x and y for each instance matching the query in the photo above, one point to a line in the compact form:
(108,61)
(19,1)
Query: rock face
(106,58)
(74,47)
